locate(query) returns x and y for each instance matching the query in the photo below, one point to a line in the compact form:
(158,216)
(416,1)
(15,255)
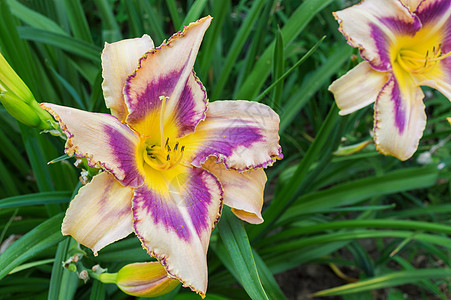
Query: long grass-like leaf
(43,236)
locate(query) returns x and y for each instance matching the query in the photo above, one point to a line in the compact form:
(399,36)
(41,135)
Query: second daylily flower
(170,162)
(405,44)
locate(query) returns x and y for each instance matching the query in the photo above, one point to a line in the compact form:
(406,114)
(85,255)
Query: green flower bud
(11,82)
(141,279)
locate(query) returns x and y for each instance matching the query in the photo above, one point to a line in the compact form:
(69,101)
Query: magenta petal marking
(126,157)
(199,200)
(161,211)
(187,117)
(382,42)
(432,11)
(195,198)
(228,140)
(400,113)
(149,100)
(392,87)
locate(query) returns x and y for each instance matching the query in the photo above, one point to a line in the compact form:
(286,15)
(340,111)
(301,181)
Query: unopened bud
(142,279)
(11,82)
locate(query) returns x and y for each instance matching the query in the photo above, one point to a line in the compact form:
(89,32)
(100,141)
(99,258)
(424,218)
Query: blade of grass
(42,237)
(295,25)
(387,280)
(175,16)
(237,46)
(35,199)
(77,20)
(66,43)
(235,241)
(309,87)
(195,11)
(278,70)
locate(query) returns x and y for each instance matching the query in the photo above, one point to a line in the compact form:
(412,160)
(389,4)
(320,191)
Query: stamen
(413,62)
(162,108)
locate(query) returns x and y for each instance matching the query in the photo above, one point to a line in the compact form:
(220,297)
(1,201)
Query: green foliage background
(363,212)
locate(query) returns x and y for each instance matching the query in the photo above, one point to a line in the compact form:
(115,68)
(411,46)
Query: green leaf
(355,191)
(194,12)
(66,43)
(297,22)
(387,280)
(237,46)
(36,199)
(42,237)
(239,255)
(278,68)
(309,87)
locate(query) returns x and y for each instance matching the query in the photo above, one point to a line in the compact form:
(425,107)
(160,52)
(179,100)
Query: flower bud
(11,82)
(18,100)
(147,279)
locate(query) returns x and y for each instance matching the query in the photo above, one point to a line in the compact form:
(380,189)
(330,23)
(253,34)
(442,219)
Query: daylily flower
(148,279)
(170,163)
(405,44)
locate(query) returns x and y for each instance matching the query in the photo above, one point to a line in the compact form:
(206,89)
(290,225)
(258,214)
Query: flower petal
(100,214)
(102,139)
(119,60)
(435,15)
(439,78)
(373,26)
(243,192)
(242,134)
(399,119)
(358,88)
(167,71)
(174,220)
(411,4)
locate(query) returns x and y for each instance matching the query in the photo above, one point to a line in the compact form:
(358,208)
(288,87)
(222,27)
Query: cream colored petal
(243,192)
(358,88)
(167,73)
(411,4)
(119,60)
(399,119)
(374,25)
(100,214)
(174,216)
(103,140)
(242,134)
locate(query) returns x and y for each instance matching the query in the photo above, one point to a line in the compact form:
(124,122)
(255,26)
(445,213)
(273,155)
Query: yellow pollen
(416,63)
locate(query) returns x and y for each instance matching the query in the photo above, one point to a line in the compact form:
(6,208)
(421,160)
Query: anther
(183,148)
(167,158)
(167,141)
(176,146)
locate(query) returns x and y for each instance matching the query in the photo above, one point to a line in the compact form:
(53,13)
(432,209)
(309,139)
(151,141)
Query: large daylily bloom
(170,163)
(405,44)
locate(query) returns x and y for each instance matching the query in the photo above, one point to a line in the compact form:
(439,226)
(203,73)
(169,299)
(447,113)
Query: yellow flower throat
(167,154)
(418,63)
